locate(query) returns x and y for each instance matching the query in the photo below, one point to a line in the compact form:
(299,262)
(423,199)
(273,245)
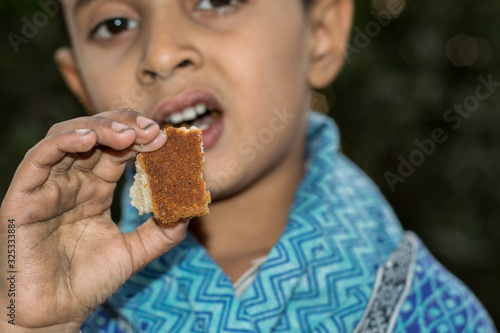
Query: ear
(330,24)
(66,63)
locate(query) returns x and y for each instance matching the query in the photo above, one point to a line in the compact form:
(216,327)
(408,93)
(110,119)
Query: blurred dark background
(407,66)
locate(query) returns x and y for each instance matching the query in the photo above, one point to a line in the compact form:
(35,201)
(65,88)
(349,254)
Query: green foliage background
(382,105)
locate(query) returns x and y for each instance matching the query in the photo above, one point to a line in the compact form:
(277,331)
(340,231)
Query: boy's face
(249,59)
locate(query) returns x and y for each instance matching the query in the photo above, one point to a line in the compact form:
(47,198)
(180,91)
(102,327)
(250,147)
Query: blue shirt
(343,264)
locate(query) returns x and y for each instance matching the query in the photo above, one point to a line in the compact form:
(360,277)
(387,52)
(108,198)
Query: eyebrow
(81,3)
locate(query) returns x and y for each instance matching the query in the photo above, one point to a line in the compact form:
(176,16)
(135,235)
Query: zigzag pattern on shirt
(318,277)
(334,256)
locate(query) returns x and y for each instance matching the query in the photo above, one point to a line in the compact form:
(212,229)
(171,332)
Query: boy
(297,240)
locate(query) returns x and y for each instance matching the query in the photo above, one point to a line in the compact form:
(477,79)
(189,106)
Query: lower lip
(212,135)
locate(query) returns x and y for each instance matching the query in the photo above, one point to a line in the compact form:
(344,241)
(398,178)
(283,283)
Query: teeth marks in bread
(169,181)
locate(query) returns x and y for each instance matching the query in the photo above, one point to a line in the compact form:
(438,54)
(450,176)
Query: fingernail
(83,132)
(119,127)
(161,135)
(144,122)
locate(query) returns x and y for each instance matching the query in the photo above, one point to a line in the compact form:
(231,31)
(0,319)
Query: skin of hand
(70,255)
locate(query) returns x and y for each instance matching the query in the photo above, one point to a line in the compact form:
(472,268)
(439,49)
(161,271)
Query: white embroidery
(392,285)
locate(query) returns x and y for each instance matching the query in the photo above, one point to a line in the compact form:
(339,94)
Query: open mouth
(194,107)
(200,116)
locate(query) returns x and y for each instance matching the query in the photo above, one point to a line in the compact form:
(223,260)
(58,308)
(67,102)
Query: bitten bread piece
(169,182)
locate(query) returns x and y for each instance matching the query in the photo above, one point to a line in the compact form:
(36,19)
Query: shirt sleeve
(439,302)
(414,293)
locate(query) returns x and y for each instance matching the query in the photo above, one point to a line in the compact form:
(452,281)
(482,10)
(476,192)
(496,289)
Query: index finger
(146,130)
(35,168)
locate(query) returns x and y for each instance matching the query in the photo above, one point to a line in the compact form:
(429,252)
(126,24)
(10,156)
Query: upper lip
(183,100)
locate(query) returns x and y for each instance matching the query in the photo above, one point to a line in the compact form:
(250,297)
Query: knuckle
(54,129)
(32,151)
(128,113)
(127,110)
(101,118)
(103,121)
(29,153)
(66,125)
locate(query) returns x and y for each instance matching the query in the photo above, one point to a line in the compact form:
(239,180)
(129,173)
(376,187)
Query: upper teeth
(188,114)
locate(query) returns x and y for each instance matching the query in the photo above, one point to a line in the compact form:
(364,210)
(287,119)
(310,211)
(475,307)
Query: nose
(168,49)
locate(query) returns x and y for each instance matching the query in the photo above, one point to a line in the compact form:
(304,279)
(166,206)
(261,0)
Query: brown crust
(175,176)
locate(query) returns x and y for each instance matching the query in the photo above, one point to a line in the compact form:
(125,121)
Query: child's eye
(114,26)
(218,5)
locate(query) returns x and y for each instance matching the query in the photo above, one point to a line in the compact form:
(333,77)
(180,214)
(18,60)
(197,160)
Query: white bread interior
(140,192)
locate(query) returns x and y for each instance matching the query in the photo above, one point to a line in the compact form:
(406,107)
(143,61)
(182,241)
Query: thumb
(153,239)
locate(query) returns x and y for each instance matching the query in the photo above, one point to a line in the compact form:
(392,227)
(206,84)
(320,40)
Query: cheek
(261,148)
(262,131)
(267,84)
(112,86)
(274,83)
(275,69)
(114,94)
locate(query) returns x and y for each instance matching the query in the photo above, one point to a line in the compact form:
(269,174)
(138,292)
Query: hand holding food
(70,255)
